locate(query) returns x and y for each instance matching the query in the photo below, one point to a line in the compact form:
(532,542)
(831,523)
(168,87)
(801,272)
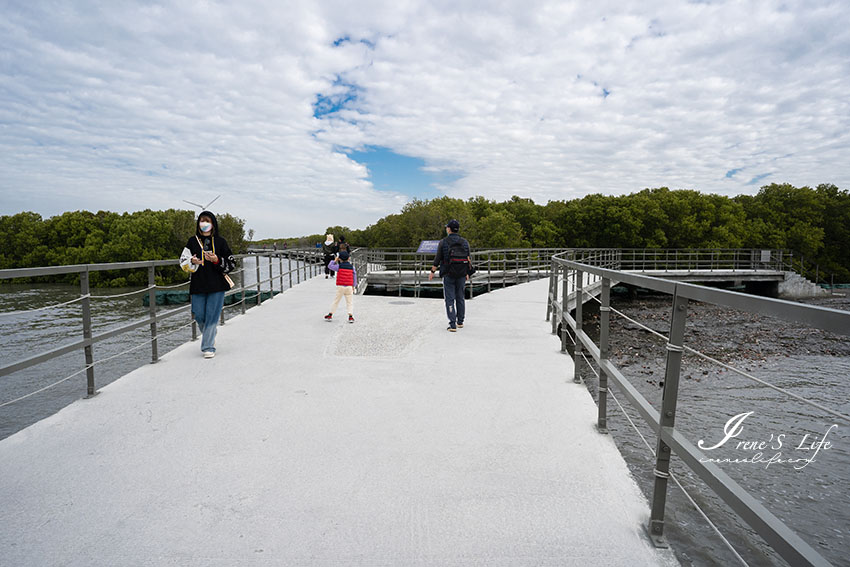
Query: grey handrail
(581,270)
(308,264)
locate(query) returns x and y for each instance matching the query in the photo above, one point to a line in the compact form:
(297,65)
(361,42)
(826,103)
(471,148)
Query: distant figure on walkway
(329,249)
(453,261)
(343,245)
(346,281)
(208,257)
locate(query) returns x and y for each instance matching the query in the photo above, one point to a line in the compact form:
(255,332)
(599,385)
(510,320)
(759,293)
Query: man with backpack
(452,259)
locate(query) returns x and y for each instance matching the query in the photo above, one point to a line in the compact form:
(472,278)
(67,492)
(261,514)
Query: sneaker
(209,354)
(329,317)
(451,329)
(460,325)
(351,318)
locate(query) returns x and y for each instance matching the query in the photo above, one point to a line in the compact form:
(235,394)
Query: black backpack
(458,260)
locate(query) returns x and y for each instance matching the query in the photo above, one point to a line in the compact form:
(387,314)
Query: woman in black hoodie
(208,257)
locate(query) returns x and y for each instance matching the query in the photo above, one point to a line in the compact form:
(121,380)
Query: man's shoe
(460,325)
(451,329)
(351,318)
(209,354)
(329,317)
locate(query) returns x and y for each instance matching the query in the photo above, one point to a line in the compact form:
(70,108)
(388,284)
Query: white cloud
(131,106)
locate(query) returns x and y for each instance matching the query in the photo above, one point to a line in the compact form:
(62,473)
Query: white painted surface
(386,442)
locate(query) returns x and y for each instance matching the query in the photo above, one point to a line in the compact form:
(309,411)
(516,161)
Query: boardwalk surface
(387,442)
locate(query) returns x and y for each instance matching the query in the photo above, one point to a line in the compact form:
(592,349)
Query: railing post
(489,272)
(604,321)
(271,279)
(667,418)
(86,305)
(579,308)
(289,269)
(280,270)
(549,296)
(242,282)
(555,321)
(152,306)
(259,290)
(565,293)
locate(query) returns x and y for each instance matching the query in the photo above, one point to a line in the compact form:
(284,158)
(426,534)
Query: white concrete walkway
(387,442)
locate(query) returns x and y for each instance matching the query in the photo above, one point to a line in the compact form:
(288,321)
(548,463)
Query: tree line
(82,237)
(813,223)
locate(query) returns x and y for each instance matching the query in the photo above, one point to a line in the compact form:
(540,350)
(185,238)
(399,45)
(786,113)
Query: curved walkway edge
(386,442)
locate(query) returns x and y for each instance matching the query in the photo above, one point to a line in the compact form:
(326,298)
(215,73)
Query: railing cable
(671,475)
(45,307)
(86,367)
(172,286)
(733,369)
(150,287)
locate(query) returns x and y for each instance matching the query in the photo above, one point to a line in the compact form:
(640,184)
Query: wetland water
(813,498)
(24,332)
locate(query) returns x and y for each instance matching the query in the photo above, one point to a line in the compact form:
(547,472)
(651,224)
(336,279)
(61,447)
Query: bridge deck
(387,442)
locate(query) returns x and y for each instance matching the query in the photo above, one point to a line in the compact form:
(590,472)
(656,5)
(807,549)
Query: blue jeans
(206,308)
(453,289)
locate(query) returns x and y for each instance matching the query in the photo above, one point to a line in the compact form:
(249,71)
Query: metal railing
(573,274)
(702,260)
(307,263)
(405,269)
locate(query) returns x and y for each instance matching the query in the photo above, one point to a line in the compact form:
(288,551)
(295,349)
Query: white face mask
(205,226)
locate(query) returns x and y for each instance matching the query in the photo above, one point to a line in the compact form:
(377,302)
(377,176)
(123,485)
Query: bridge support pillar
(766,289)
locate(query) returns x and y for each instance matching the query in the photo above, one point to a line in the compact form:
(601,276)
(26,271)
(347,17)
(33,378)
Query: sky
(308,114)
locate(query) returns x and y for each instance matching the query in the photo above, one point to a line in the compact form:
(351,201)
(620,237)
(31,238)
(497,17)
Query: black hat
(453,225)
(343,255)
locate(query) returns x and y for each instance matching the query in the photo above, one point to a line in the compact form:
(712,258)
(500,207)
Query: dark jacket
(330,249)
(442,257)
(209,277)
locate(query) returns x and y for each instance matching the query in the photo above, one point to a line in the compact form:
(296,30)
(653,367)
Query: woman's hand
(210,257)
(195,260)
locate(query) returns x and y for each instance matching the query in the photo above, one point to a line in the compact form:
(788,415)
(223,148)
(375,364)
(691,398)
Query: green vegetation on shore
(82,237)
(814,223)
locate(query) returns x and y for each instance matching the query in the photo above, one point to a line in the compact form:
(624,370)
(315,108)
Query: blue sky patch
(389,171)
(758,178)
(329,104)
(732,172)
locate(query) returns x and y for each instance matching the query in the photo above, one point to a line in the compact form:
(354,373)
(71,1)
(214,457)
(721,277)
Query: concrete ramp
(386,442)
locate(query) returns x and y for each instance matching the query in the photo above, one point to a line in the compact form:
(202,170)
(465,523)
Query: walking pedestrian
(208,257)
(329,250)
(452,260)
(346,282)
(343,245)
